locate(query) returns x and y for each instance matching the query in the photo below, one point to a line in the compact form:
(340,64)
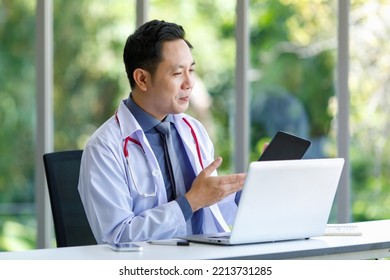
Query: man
(127,181)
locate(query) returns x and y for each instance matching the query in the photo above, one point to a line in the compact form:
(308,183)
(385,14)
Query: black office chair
(71,226)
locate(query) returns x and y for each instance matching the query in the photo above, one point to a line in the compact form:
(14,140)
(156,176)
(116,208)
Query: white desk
(373,243)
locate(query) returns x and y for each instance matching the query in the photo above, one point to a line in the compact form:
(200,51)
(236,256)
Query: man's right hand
(207,190)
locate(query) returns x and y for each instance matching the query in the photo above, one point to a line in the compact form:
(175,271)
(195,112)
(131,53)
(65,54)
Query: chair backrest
(70,222)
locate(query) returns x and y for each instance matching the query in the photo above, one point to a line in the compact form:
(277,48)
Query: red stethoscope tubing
(196,142)
(135,141)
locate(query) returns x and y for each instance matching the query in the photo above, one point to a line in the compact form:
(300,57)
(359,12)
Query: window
(369,113)
(17,112)
(293,47)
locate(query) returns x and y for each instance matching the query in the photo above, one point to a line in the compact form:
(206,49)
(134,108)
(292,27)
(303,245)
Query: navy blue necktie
(175,173)
(172,163)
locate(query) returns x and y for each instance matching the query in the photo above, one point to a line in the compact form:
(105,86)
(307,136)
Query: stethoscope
(139,145)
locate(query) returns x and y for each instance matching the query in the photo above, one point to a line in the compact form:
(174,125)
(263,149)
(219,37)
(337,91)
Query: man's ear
(141,78)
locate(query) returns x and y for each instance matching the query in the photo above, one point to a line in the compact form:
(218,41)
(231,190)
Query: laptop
(282,200)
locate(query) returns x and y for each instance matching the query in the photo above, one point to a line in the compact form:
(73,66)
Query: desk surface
(373,243)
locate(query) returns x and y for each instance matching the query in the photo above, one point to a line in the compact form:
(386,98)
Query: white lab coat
(115,209)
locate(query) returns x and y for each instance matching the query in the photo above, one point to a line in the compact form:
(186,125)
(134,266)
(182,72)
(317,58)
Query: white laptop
(282,200)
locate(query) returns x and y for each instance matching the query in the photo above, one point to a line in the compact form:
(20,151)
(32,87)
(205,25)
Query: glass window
(17,114)
(89,75)
(292,61)
(369,114)
(292,71)
(209,26)
(89,81)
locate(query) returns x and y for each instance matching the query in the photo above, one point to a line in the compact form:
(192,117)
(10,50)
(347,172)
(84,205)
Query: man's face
(169,89)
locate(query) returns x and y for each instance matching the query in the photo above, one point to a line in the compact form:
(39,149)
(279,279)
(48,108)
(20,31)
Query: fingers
(233,183)
(229,183)
(212,167)
(207,190)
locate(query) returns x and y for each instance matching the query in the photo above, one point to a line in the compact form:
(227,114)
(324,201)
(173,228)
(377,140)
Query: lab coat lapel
(130,127)
(212,212)
(189,143)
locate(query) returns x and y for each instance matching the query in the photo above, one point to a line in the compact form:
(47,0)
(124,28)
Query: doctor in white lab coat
(121,180)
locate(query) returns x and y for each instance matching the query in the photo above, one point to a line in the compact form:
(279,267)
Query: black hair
(143,49)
